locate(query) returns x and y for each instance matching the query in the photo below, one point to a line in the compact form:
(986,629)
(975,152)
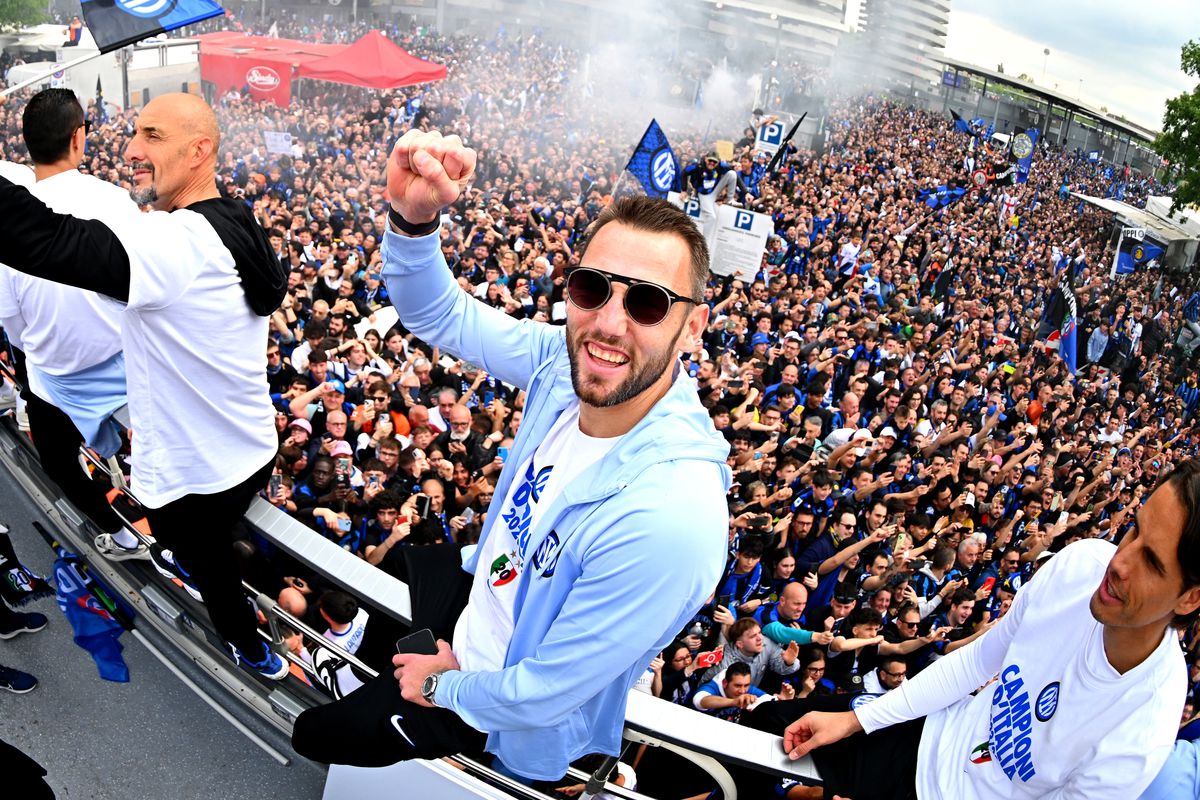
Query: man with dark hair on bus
(197,261)
(1091,680)
(614,444)
(71,337)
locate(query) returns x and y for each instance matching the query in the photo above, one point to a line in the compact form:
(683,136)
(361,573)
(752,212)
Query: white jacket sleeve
(954,677)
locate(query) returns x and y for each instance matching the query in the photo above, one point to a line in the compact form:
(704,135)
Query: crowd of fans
(907,448)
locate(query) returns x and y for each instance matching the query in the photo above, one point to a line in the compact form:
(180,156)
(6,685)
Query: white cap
(888,431)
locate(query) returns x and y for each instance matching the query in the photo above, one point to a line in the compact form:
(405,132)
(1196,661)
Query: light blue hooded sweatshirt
(620,560)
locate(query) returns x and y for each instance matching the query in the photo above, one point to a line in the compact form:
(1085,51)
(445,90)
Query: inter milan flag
(96,628)
(960,124)
(116,23)
(1065,338)
(941,196)
(1191,309)
(654,164)
(1023,145)
(1134,254)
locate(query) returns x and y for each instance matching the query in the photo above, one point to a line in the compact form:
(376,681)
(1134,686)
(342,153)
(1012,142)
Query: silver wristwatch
(429,688)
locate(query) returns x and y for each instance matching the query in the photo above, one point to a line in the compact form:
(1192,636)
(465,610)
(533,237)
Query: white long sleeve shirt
(64,329)
(1060,722)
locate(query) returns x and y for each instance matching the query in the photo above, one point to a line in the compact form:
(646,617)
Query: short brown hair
(740,628)
(657,216)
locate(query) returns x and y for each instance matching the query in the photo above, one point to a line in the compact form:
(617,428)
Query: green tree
(19,13)
(1179,141)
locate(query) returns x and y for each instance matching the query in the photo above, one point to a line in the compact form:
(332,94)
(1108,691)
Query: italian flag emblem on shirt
(982,753)
(503,571)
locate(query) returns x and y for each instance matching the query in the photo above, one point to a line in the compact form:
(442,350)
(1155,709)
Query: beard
(644,369)
(459,437)
(144,195)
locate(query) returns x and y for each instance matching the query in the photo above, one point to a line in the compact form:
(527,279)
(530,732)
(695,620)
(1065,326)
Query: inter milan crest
(1022,145)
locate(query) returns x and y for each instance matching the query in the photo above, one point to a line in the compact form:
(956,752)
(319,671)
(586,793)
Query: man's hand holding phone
(412,668)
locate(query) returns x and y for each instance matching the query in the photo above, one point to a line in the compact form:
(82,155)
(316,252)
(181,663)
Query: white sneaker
(108,547)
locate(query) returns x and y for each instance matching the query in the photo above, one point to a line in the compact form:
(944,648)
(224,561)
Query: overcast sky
(1127,53)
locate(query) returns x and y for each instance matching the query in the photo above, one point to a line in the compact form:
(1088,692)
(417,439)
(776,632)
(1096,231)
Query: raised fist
(426,172)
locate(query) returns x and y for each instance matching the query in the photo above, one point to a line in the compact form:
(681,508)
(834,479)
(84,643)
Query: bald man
(199,280)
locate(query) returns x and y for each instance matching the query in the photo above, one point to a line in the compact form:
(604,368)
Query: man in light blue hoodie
(608,526)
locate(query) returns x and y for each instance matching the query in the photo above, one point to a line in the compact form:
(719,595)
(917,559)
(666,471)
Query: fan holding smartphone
(613,443)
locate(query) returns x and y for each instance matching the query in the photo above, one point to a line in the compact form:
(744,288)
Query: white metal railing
(701,739)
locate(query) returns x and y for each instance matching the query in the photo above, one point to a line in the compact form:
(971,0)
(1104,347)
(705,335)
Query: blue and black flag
(116,23)
(654,163)
(1191,309)
(941,196)
(960,124)
(1134,254)
(1023,146)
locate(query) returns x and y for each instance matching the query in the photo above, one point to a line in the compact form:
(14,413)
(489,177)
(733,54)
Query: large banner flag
(1023,146)
(116,23)
(654,163)
(1134,254)
(1065,339)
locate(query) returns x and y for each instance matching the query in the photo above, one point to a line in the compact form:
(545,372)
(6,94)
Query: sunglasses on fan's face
(646,303)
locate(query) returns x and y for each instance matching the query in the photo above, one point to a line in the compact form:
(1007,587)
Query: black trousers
(875,766)
(198,530)
(7,616)
(57,441)
(374,727)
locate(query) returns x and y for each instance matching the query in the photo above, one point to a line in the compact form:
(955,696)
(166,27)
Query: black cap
(850,683)
(845,597)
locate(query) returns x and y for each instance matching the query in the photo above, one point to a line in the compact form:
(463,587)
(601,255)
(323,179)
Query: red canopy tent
(264,64)
(373,61)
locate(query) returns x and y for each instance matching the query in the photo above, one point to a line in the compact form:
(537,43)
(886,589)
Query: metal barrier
(696,737)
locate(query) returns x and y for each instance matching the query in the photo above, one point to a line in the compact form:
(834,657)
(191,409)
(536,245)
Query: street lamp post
(1045,58)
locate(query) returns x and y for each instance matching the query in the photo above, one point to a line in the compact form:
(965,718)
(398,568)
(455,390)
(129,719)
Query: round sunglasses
(646,303)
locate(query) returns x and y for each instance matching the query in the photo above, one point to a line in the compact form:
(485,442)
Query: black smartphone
(736,384)
(724,600)
(423,507)
(419,643)
(276,484)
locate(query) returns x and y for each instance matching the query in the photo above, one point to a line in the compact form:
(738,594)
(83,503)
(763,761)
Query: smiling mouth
(1107,592)
(606,355)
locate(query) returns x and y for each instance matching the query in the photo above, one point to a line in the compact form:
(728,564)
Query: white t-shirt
(1061,722)
(195,360)
(349,640)
(63,329)
(486,625)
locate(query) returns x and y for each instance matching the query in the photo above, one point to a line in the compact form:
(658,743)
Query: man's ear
(202,150)
(78,138)
(1188,602)
(694,329)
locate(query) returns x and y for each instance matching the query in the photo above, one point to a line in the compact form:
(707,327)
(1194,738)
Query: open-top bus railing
(707,742)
